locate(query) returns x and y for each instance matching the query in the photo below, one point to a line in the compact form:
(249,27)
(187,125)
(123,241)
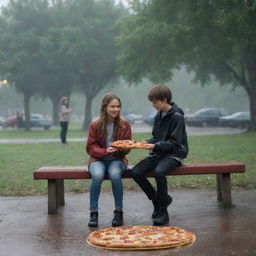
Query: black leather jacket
(169,134)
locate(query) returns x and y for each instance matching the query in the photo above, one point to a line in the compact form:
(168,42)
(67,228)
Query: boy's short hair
(160,92)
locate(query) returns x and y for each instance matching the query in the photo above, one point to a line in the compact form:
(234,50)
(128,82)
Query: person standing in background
(19,117)
(63,115)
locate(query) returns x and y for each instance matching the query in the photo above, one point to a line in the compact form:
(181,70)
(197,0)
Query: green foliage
(215,39)
(50,49)
(92,48)
(21,26)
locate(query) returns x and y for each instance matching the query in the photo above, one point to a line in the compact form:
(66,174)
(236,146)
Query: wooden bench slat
(81,172)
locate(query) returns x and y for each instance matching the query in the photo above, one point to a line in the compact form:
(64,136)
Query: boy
(169,147)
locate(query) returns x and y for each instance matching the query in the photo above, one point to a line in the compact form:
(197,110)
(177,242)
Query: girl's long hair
(61,102)
(118,122)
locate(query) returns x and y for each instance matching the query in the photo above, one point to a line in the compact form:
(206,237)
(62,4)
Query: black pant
(63,131)
(160,165)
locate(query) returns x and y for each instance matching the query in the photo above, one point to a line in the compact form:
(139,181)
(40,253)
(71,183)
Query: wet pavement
(26,228)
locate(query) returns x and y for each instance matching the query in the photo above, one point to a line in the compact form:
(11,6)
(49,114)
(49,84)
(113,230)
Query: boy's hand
(111,150)
(149,146)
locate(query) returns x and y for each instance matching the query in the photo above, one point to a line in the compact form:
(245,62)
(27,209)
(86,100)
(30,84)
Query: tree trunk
(87,112)
(252,97)
(27,111)
(252,87)
(55,114)
(55,110)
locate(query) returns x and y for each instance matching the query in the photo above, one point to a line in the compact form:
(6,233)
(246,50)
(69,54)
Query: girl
(63,113)
(106,159)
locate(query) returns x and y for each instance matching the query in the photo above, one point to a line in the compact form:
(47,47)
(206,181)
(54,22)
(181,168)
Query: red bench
(57,174)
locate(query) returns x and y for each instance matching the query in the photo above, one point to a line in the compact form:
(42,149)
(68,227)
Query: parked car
(36,120)
(39,120)
(206,117)
(2,121)
(10,121)
(150,118)
(132,118)
(238,119)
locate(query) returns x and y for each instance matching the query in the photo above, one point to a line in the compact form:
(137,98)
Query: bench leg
(224,189)
(60,192)
(55,195)
(52,197)
(218,187)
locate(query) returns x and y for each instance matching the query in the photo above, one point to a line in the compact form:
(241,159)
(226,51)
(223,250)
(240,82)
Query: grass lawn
(17,161)
(12,133)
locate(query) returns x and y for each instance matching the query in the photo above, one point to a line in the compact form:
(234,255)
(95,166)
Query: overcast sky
(3,2)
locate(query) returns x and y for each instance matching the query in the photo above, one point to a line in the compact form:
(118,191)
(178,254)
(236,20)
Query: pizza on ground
(140,238)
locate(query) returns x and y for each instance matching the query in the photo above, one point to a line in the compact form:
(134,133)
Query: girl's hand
(111,150)
(149,146)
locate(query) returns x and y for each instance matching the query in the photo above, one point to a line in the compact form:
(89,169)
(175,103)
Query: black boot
(157,205)
(118,218)
(156,208)
(162,217)
(93,219)
(169,201)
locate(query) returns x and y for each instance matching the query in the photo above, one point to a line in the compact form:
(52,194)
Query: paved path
(137,128)
(26,228)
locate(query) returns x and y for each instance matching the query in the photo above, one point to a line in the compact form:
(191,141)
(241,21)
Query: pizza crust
(140,248)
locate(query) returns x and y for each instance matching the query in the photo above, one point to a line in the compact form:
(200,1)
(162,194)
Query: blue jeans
(114,169)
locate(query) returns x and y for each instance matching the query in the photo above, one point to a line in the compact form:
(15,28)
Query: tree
(59,77)
(91,47)
(215,39)
(21,24)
